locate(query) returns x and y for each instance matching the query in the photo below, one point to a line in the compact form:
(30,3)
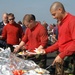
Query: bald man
(66,29)
(2,24)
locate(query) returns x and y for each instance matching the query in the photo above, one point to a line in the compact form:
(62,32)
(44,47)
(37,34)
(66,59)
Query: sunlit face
(11,19)
(57,14)
(5,18)
(28,24)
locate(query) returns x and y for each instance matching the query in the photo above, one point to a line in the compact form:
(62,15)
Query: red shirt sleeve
(52,48)
(44,37)
(71,49)
(25,37)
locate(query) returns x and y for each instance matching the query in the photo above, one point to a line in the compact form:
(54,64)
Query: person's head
(5,17)
(29,21)
(45,24)
(11,18)
(19,22)
(57,10)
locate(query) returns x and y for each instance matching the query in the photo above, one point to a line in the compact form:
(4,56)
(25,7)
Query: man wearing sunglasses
(12,32)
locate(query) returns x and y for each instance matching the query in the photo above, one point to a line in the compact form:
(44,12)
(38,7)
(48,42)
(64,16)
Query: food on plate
(18,72)
(21,53)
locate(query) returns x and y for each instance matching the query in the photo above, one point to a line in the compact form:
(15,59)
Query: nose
(26,25)
(54,17)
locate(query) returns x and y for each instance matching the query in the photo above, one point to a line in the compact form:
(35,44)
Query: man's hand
(57,60)
(40,51)
(16,49)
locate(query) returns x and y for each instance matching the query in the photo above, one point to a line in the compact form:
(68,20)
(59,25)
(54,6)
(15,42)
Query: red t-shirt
(35,37)
(12,33)
(66,37)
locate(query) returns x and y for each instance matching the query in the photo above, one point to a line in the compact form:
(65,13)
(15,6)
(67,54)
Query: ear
(60,9)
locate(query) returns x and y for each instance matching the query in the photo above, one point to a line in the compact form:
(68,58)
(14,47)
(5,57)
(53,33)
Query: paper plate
(31,52)
(21,53)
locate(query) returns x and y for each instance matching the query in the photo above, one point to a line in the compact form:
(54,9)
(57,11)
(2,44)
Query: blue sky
(40,8)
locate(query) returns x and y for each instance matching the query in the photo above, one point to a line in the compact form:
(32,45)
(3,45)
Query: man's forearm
(21,44)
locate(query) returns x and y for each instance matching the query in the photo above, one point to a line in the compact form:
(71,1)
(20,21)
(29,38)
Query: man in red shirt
(12,32)
(35,34)
(66,33)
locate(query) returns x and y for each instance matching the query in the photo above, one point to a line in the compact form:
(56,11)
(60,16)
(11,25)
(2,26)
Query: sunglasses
(11,19)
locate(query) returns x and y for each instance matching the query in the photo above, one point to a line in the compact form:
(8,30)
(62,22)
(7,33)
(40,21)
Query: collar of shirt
(64,19)
(34,27)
